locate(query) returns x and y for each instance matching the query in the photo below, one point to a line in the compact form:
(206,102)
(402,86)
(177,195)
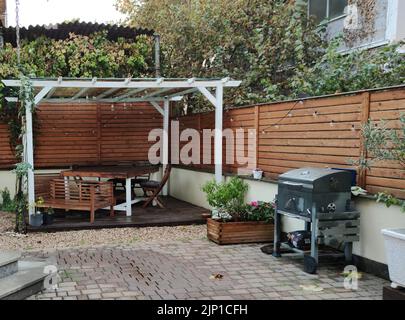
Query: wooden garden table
(127,172)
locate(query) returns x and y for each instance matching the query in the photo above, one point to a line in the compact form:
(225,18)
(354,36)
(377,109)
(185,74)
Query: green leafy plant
(8,204)
(337,72)
(390,200)
(261,211)
(384,144)
(228,197)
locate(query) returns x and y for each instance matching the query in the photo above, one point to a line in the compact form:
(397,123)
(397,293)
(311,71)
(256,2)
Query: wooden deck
(175,213)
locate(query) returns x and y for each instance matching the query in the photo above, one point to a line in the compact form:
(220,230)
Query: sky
(33,12)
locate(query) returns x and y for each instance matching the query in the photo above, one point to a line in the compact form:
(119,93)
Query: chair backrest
(82,191)
(166,176)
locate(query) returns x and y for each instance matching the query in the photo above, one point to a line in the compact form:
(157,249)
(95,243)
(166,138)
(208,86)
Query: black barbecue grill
(322,198)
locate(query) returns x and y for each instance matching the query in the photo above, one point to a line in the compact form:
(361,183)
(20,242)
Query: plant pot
(36,220)
(395,247)
(239,232)
(47,219)
(206,215)
(257,174)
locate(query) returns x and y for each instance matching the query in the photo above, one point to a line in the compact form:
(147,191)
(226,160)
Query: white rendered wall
(186,185)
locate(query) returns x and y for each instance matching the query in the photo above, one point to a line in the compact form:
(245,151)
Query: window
(326,9)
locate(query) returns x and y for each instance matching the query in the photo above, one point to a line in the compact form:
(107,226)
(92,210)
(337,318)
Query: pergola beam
(81,93)
(128,94)
(157,107)
(42,94)
(175,84)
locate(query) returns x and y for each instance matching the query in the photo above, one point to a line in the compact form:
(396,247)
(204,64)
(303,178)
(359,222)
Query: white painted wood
(29,158)
(208,95)
(107,93)
(157,93)
(182,93)
(129,93)
(165,149)
(42,94)
(157,107)
(128,201)
(123,206)
(218,132)
(121,84)
(81,93)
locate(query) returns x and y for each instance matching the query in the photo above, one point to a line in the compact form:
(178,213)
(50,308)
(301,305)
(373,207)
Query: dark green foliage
(8,204)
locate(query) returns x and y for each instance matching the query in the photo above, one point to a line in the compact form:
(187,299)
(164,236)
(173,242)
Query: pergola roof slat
(73,90)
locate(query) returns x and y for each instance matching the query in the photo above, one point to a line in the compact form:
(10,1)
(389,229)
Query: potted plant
(48,216)
(395,246)
(233,221)
(257,174)
(36,220)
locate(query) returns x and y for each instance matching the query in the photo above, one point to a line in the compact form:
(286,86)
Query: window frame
(327,18)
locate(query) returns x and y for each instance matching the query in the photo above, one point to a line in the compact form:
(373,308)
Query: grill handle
(293,186)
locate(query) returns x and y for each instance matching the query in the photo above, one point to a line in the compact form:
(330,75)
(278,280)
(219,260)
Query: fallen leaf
(216,276)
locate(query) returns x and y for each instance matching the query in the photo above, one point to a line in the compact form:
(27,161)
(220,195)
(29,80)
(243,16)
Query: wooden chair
(152,188)
(80,195)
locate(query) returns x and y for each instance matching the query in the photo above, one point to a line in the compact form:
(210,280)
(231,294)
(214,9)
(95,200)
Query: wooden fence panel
(6,153)
(388,175)
(321,132)
(87,134)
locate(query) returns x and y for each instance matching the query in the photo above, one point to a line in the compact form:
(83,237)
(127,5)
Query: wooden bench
(80,195)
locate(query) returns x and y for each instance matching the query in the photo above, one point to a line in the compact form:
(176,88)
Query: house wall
(186,184)
(388,26)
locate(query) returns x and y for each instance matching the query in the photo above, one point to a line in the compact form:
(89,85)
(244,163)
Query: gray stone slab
(8,263)
(22,284)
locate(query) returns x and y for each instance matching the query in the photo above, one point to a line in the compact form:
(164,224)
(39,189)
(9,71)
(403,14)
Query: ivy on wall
(77,56)
(366,11)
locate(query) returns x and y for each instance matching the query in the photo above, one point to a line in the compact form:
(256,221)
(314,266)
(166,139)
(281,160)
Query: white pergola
(157,92)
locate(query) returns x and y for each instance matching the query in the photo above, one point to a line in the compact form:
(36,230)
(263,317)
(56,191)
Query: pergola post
(218,132)
(165,149)
(29,157)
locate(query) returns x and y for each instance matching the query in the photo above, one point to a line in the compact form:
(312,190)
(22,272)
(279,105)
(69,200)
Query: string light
(332,123)
(315,114)
(353,128)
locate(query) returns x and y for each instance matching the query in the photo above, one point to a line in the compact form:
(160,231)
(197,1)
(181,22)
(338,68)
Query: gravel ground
(87,238)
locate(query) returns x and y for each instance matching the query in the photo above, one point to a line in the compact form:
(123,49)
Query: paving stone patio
(184,270)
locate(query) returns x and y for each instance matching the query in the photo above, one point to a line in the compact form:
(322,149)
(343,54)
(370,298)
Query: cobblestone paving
(184,270)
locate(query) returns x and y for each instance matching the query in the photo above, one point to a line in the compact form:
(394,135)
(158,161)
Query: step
(27,281)
(8,263)
(22,284)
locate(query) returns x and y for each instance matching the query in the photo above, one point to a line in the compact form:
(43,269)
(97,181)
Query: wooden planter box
(239,232)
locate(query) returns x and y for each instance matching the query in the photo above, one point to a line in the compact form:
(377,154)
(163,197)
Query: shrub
(8,204)
(228,198)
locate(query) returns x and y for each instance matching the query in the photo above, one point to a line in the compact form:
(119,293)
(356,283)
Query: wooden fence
(321,132)
(87,134)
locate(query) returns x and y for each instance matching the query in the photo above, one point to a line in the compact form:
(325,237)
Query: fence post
(98,133)
(257,119)
(365,115)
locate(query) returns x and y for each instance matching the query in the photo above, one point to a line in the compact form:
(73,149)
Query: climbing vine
(366,13)
(78,56)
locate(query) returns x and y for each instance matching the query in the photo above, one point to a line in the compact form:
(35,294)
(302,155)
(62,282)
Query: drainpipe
(157,54)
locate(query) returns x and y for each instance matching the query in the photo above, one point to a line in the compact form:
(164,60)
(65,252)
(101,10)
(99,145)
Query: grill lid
(318,179)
